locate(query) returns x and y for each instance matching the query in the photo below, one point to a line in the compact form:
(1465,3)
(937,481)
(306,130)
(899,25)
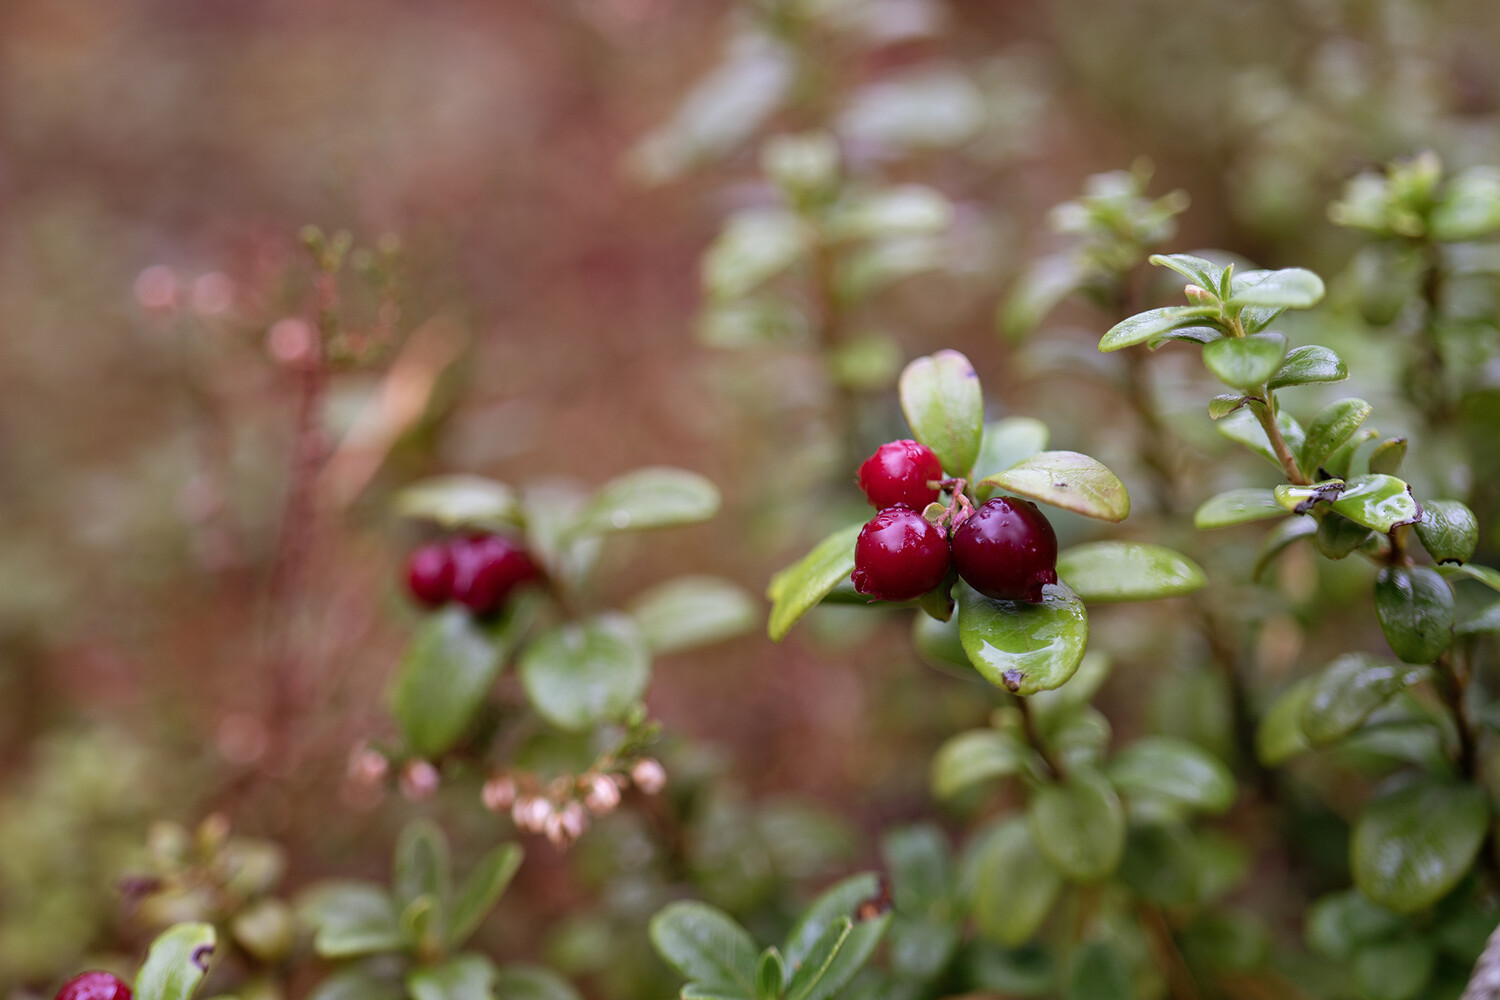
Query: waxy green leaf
(1308,365)
(1245,362)
(770,975)
(1276,541)
(649,498)
(523,981)
(941,398)
(1144,326)
(1023,647)
(1279,737)
(1378,502)
(1348,690)
(1414,606)
(1108,572)
(1237,507)
(715,954)
(1338,537)
(580,674)
(1289,288)
(480,891)
(1387,456)
(838,904)
(1166,769)
(1013,887)
(445,675)
(1449,531)
(1341,923)
(1199,270)
(1079,825)
(1469,207)
(351,918)
(1226,403)
(460,501)
(1412,846)
(1098,969)
(1243,427)
(1395,970)
(692,611)
(1301,499)
(177,962)
(797,589)
(1068,480)
(1007,442)
(1333,425)
(1473,571)
(463,977)
(976,756)
(1037,292)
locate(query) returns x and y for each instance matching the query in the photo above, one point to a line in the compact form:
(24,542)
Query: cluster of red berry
(1004,549)
(478,571)
(94,986)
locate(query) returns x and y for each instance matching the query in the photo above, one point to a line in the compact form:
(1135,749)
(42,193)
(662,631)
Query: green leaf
(1153,323)
(978,755)
(1414,606)
(1300,499)
(1449,530)
(1308,365)
(649,498)
(1333,425)
(1199,270)
(1158,863)
(1348,690)
(422,864)
(692,611)
(1022,647)
(445,675)
(1174,771)
(1037,292)
(176,963)
(1395,970)
(941,398)
(1098,970)
(842,901)
(917,860)
(465,977)
(938,644)
(1411,847)
(1237,506)
(1278,540)
(1486,621)
(580,674)
(1243,427)
(1110,572)
(1378,502)
(1093,670)
(808,974)
(1387,456)
(1289,288)
(1280,737)
(1013,887)
(1079,825)
(1226,403)
(352,918)
(532,982)
(797,589)
(708,948)
(1338,537)
(901,210)
(1489,577)
(481,890)
(1469,207)
(1342,923)
(1245,362)
(754,246)
(460,501)
(359,983)
(1068,480)
(1028,971)
(1007,442)
(770,974)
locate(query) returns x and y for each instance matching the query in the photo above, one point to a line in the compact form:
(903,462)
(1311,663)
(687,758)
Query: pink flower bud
(367,767)
(499,793)
(649,776)
(574,820)
(419,781)
(602,795)
(530,813)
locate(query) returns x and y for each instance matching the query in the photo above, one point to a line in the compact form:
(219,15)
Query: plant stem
(1180,983)
(1028,726)
(1264,409)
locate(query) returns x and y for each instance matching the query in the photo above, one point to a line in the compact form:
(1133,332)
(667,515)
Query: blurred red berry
(429,574)
(94,986)
(486,570)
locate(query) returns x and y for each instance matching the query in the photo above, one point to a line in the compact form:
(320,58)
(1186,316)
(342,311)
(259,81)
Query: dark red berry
(429,574)
(900,472)
(1006,550)
(900,556)
(94,986)
(485,571)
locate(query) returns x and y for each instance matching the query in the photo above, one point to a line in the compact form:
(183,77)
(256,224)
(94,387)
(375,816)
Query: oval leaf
(1279,737)
(445,674)
(1348,690)
(1174,771)
(1153,323)
(1281,537)
(1449,530)
(1245,362)
(1110,572)
(692,611)
(1007,442)
(1414,845)
(176,964)
(521,981)
(1079,825)
(1237,507)
(1199,270)
(970,758)
(1012,885)
(464,977)
(1473,571)
(707,947)
(579,675)
(1378,502)
(1415,608)
(844,900)
(351,918)
(460,502)
(1469,208)
(1387,456)
(649,498)
(1243,427)
(797,589)
(941,398)
(1068,480)
(1024,648)
(1333,425)
(1289,288)
(481,890)
(1309,365)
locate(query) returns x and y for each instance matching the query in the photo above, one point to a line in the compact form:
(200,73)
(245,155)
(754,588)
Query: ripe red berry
(1006,550)
(486,569)
(900,473)
(899,556)
(94,986)
(429,574)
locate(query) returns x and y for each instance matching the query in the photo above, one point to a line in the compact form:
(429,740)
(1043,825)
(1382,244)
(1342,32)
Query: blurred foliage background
(552,195)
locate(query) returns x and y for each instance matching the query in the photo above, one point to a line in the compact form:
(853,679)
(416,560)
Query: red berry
(1006,550)
(429,574)
(94,986)
(485,571)
(900,556)
(900,473)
